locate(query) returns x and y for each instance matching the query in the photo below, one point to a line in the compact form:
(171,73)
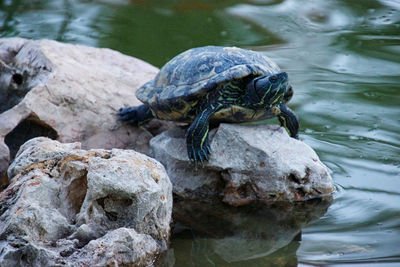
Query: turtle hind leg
(135,115)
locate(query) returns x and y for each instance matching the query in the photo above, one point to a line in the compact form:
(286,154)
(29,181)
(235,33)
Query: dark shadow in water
(260,235)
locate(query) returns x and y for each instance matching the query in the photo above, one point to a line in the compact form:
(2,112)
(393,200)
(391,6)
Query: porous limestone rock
(74,207)
(70,93)
(247,163)
(123,246)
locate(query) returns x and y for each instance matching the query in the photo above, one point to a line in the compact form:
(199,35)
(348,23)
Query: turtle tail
(135,115)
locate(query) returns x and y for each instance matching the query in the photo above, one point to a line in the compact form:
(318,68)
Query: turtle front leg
(198,147)
(288,120)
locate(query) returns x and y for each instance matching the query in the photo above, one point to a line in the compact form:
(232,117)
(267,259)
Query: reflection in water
(343,58)
(208,234)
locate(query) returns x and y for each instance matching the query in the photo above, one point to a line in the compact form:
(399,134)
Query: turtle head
(269,90)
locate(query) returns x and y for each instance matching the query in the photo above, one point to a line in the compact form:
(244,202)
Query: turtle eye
(273,79)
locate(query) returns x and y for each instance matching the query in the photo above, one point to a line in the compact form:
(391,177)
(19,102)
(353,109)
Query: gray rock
(123,246)
(98,206)
(248,163)
(69,93)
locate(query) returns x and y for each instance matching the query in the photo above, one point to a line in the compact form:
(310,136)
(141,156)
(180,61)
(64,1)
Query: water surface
(343,58)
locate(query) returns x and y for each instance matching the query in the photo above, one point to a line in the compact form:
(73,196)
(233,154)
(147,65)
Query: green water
(343,58)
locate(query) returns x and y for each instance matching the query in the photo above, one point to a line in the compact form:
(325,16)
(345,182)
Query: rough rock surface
(73,207)
(248,162)
(70,93)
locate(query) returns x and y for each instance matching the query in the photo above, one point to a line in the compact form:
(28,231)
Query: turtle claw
(199,154)
(206,155)
(208,149)
(201,159)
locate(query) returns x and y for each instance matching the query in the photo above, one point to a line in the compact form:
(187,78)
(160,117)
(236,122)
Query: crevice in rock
(76,193)
(27,129)
(106,155)
(17,78)
(238,196)
(246,191)
(3,181)
(8,198)
(100,201)
(301,192)
(307,177)
(112,216)
(67,252)
(115,207)
(293,178)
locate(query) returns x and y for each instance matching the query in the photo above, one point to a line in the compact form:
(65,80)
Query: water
(343,58)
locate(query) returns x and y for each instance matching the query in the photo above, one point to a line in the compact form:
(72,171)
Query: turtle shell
(189,76)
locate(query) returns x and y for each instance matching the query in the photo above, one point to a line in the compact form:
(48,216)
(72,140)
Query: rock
(123,246)
(66,206)
(248,163)
(69,93)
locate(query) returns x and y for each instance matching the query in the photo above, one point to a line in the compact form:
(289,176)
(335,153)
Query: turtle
(214,84)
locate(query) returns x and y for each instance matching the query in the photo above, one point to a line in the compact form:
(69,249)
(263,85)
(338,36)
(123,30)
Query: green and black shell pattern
(190,76)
